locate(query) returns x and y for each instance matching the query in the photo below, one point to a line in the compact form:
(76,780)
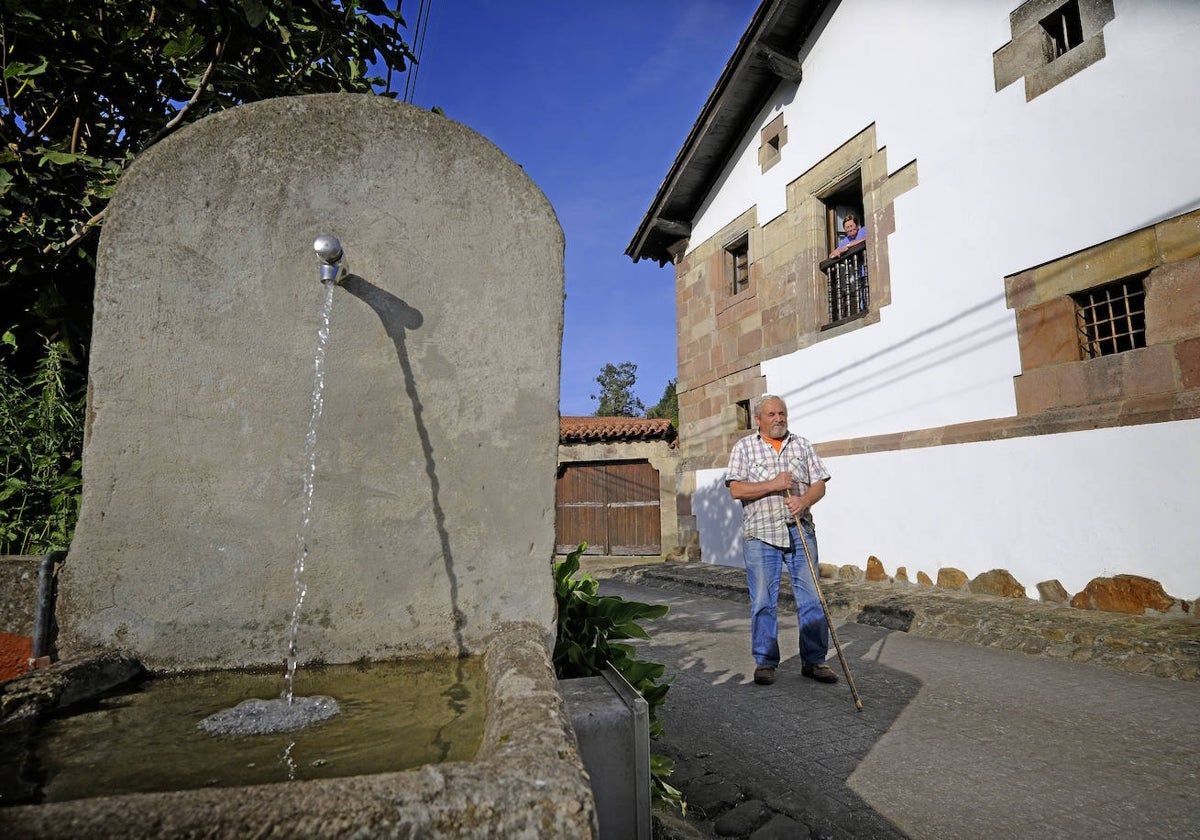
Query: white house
(1006,375)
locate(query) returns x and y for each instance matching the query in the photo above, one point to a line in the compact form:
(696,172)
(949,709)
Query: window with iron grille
(1112,318)
(737,265)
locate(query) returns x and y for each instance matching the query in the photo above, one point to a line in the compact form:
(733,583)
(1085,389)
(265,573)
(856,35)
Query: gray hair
(756,406)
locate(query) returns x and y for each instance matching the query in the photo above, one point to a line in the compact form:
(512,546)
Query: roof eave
(752,73)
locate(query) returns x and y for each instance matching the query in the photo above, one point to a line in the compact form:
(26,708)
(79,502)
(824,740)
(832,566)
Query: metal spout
(329,251)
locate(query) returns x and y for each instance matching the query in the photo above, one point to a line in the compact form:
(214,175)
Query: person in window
(854,233)
(777,476)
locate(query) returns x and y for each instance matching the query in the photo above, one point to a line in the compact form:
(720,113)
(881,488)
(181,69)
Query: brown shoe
(820,673)
(764,675)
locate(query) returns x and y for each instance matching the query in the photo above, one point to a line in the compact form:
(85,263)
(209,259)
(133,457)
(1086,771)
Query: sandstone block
(951,578)
(1053,592)
(850,572)
(875,572)
(902,574)
(1130,594)
(829,571)
(997,582)
(923,579)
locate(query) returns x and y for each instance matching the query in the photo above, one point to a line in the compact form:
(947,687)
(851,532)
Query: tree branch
(178,118)
(163,132)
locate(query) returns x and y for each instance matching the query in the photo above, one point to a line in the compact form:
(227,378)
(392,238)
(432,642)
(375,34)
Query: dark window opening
(846,199)
(1064,27)
(737,265)
(1111,318)
(743,414)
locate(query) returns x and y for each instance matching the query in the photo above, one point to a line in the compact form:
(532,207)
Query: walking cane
(825,609)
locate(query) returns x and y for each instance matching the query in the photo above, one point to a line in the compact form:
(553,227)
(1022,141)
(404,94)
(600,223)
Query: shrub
(41,439)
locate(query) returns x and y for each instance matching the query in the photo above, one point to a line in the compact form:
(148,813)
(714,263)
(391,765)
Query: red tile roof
(601,429)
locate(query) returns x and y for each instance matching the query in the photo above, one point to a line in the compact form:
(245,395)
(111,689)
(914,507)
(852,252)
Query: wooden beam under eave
(785,68)
(673,228)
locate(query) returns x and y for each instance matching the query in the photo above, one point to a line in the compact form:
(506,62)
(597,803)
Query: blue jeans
(764,565)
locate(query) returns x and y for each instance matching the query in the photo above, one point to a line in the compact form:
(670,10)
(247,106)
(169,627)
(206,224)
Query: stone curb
(1160,646)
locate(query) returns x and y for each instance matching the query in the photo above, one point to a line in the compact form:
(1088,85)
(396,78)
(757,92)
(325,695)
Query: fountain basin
(526,780)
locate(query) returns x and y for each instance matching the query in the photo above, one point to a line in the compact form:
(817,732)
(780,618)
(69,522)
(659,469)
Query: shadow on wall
(718,519)
(398,318)
(903,359)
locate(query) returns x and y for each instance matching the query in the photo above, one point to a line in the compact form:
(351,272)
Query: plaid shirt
(753,459)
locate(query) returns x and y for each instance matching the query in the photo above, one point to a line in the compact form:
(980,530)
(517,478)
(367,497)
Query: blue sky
(593,100)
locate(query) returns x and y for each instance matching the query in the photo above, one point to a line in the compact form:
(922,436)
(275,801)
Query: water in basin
(394,716)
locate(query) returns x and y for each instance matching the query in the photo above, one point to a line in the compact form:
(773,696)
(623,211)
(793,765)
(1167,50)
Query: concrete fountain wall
(433,510)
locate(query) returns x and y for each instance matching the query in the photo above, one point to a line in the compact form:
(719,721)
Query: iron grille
(1112,318)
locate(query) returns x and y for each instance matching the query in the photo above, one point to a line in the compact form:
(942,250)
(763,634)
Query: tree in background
(616,391)
(85,88)
(617,399)
(668,406)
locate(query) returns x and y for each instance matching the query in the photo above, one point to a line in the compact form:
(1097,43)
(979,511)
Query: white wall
(1013,504)
(1004,184)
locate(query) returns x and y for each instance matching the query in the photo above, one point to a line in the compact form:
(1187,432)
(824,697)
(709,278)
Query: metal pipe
(329,251)
(43,614)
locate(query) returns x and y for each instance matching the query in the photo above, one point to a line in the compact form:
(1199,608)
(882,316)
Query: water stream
(289,713)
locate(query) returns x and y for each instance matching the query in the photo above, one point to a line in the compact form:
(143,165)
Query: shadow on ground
(766,761)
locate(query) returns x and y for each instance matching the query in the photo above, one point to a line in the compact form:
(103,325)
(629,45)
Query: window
(1088,340)
(737,265)
(1064,28)
(1111,318)
(772,139)
(847,289)
(844,200)
(1043,31)
(743,414)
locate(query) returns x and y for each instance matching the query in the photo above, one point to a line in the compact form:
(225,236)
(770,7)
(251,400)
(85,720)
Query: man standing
(777,477)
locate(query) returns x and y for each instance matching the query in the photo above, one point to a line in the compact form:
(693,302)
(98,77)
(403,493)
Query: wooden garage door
(611,506)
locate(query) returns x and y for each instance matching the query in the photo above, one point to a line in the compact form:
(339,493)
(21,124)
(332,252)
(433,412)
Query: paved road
(954,741)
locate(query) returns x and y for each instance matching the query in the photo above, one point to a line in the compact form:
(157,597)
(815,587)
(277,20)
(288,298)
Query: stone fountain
(433,510)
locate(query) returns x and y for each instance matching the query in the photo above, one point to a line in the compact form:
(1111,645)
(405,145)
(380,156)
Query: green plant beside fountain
(591,628)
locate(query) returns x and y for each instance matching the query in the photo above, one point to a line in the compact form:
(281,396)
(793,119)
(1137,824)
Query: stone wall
(1124,593)
(18,606)
(433,500)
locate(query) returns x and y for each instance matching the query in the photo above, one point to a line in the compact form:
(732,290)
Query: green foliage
(590,629)
(87,86)
(616,391)
(40,441)
(668,406)
(84,88)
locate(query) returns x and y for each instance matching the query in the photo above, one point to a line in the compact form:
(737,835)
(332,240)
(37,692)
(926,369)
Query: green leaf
(18,69)
(254,11)
(187,44)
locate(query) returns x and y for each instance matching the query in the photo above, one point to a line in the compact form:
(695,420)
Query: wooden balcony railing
(847,291)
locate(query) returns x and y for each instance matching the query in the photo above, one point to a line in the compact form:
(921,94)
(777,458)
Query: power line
(419,32)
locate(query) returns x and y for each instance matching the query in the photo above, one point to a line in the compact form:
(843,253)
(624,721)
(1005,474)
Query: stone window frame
(806,196)
(772,139)
(1057,374)
(1031,53)
(737,252)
